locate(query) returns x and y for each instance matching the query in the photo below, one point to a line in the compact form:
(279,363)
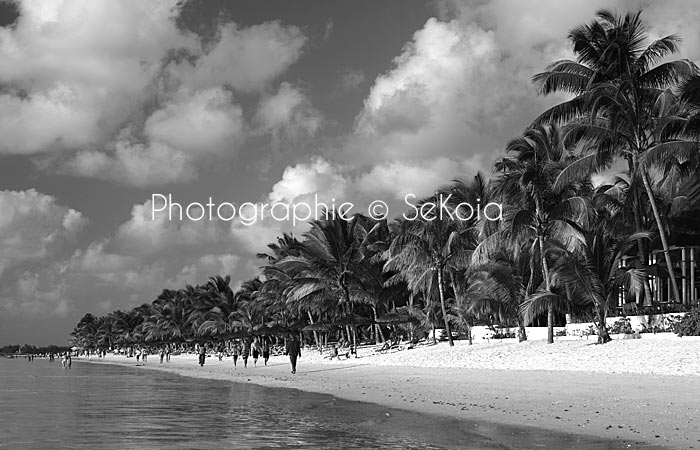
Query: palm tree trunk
(545,271)
(641,244)
(441,289)
(378,330)
(311,319)
(346,293)
(466,322)
(603,335)
(522,334)
(662,235)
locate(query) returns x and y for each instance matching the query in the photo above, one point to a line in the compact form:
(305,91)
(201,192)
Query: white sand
(643,390)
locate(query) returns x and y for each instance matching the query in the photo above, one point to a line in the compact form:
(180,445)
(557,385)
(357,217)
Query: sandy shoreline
(610,392)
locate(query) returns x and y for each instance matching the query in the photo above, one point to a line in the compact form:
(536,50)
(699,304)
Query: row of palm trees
(558,248)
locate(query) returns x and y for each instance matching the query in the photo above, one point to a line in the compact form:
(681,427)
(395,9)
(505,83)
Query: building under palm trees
(684,259)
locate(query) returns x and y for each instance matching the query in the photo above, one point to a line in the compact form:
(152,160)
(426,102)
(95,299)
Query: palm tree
(215,305)
(325,267)
(170,317)
(622,105)
(592,278)
(85,332)
(106,331)
(246,298)
(539,208)
(428,249)
(127,325)
(497,287)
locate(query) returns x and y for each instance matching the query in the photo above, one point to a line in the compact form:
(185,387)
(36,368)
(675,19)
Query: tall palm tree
(539,208)
(170,318)
(106,331)
(622,106)
(326,268)
(497,287)
(591,279)
(246,299)
(428,249)
(85,332)
(215,305)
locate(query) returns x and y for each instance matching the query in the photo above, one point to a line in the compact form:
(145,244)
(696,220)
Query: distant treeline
(30,349)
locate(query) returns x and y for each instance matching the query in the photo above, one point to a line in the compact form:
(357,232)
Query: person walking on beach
(221,351)
(236,350)
(246,352)
(266,350)
(167,353)
(144,354)
(202,354)
(294,352)
(138,355)
(162,354)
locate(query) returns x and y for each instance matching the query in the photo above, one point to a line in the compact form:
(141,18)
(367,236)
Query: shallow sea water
(96,406)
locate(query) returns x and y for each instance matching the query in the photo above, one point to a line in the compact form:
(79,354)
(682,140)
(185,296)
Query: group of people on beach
(245,348)
(142,353)
(251,347)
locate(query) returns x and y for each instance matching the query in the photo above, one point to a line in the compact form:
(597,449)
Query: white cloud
(131,163)
(79,69)
(116,90)
(198,122)
(452,93)
(302,181)
(35,235)
(287,114)
(395,180)
(35,294)
(247,59)
(144,237)
(33,227)
(53,117)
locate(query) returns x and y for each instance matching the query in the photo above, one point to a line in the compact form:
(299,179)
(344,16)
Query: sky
(104,106)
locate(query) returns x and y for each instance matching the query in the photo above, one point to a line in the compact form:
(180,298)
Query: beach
(632,390)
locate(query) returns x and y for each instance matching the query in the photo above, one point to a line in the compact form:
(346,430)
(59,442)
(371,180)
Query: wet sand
(636,410)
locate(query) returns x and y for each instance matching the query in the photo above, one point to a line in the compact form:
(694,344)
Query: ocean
(101,406)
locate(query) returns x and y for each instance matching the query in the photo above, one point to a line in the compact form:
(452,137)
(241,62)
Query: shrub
(689,325)
(620,326)
(503,333)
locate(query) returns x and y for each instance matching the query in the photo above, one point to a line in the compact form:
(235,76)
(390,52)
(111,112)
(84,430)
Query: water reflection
(96,406)
(109,407)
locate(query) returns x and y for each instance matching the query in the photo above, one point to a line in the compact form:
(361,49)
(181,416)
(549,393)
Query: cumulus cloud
(303,180)
(205,121)
(395,180)
(247,59)
(118,91)
(451,93)
(287,114)
(78,69)
(33,227)
(36,232)
(132,163)
(144,256)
